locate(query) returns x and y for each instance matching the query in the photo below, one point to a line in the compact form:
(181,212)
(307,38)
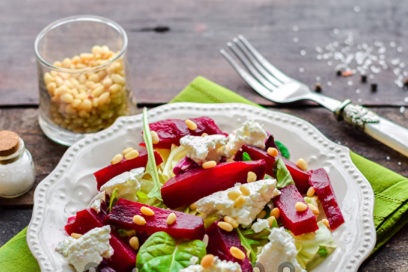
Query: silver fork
(275,86)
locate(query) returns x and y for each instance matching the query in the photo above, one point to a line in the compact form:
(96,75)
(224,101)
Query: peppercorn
(374,87)
(318,88)
(364,78)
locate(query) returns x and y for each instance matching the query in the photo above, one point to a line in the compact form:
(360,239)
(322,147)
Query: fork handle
(381,129)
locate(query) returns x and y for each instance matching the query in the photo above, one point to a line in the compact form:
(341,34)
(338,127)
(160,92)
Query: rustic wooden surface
(173,41)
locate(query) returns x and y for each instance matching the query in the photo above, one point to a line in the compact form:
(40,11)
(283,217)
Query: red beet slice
(123,258)
(320,181)
(170,131)
(105,174)
(187,226)
(220,242)
(188,187)
(297,222)
(300,177)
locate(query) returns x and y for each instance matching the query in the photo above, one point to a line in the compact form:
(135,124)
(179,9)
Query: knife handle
(381,129)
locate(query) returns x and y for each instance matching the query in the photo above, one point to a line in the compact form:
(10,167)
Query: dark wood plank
(161,63)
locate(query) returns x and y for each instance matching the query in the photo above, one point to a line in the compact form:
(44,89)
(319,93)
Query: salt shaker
(17,172)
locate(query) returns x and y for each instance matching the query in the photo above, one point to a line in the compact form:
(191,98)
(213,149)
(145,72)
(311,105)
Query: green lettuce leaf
(313,248)
(283,177)
(251,241)
(151,168)
(163,253)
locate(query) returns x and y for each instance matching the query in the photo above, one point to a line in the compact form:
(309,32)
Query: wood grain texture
(161,63)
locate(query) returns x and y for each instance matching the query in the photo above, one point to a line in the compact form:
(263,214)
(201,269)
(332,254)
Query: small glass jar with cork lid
(17,172)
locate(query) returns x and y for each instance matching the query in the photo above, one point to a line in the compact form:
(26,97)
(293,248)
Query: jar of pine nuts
(83,77)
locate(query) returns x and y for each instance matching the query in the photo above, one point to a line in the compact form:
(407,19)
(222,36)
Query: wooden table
(173,41)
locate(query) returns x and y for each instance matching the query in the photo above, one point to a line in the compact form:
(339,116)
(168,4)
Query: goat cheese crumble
(88,250)
(218,266)
(204,148)
(261,192)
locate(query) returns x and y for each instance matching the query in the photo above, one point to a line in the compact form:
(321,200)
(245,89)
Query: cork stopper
(9,142)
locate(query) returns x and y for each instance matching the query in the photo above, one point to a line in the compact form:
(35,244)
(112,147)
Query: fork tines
(258,73)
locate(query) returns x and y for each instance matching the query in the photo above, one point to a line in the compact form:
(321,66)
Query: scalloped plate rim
(40,196)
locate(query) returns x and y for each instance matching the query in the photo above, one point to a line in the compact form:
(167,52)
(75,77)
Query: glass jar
(17,172)
(82,74)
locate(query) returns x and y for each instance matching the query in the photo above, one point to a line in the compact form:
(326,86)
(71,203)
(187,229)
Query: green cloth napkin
(391,199)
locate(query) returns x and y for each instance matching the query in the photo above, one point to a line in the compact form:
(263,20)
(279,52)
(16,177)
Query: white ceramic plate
(71,185)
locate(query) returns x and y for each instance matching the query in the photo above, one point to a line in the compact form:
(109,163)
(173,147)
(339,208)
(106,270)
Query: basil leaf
(283,177)
(161,252)
(151,168)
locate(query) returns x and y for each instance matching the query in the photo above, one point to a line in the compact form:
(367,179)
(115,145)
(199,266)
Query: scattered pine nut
(301,163)
(116,159)
(271,220)
(132,154)
(139,220)
(237,253)
(207,261)
(301,206)
(239,202)
(311,191)
(347,73)
(251,176)
(234,194)
(134,242)
(146,211)
(244,190)
(326,223)
(232,221)
(193,206)
(314,209)
(272,151)
(275,212)
(191,125)
(126,150)
(225,226)
(209,164)
(171,219)
(155,137)
(76,235)
(204,134)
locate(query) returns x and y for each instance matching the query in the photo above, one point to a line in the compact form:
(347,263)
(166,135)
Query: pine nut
(311,191)
(139,220)
(244,190)
(132,154)
(234,194)
(271,220)
(326,223)
(275,212)
(314,209)
(272,151)
(116,159)
(126,150)
(237,253)
(191,125)
(76,235)
(207,261)
(239,202)
(251,176)
(209,164)
(301,164)
(155,137)
(232,221)
(225,226)
(171,219)
(301,206)
(134,242)
(146,211)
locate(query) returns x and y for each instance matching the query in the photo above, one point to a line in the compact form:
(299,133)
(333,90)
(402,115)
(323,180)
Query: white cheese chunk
(204,148)
(126,183)
(261,192)
(218,266)
(279,250)
(260,225)
(250,133)
(88,250)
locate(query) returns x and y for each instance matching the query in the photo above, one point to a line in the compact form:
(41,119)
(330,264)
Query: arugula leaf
(113,198)
(151,168)
(161,252)
(283,177)
(251,241)
(246,157)
(283,149)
